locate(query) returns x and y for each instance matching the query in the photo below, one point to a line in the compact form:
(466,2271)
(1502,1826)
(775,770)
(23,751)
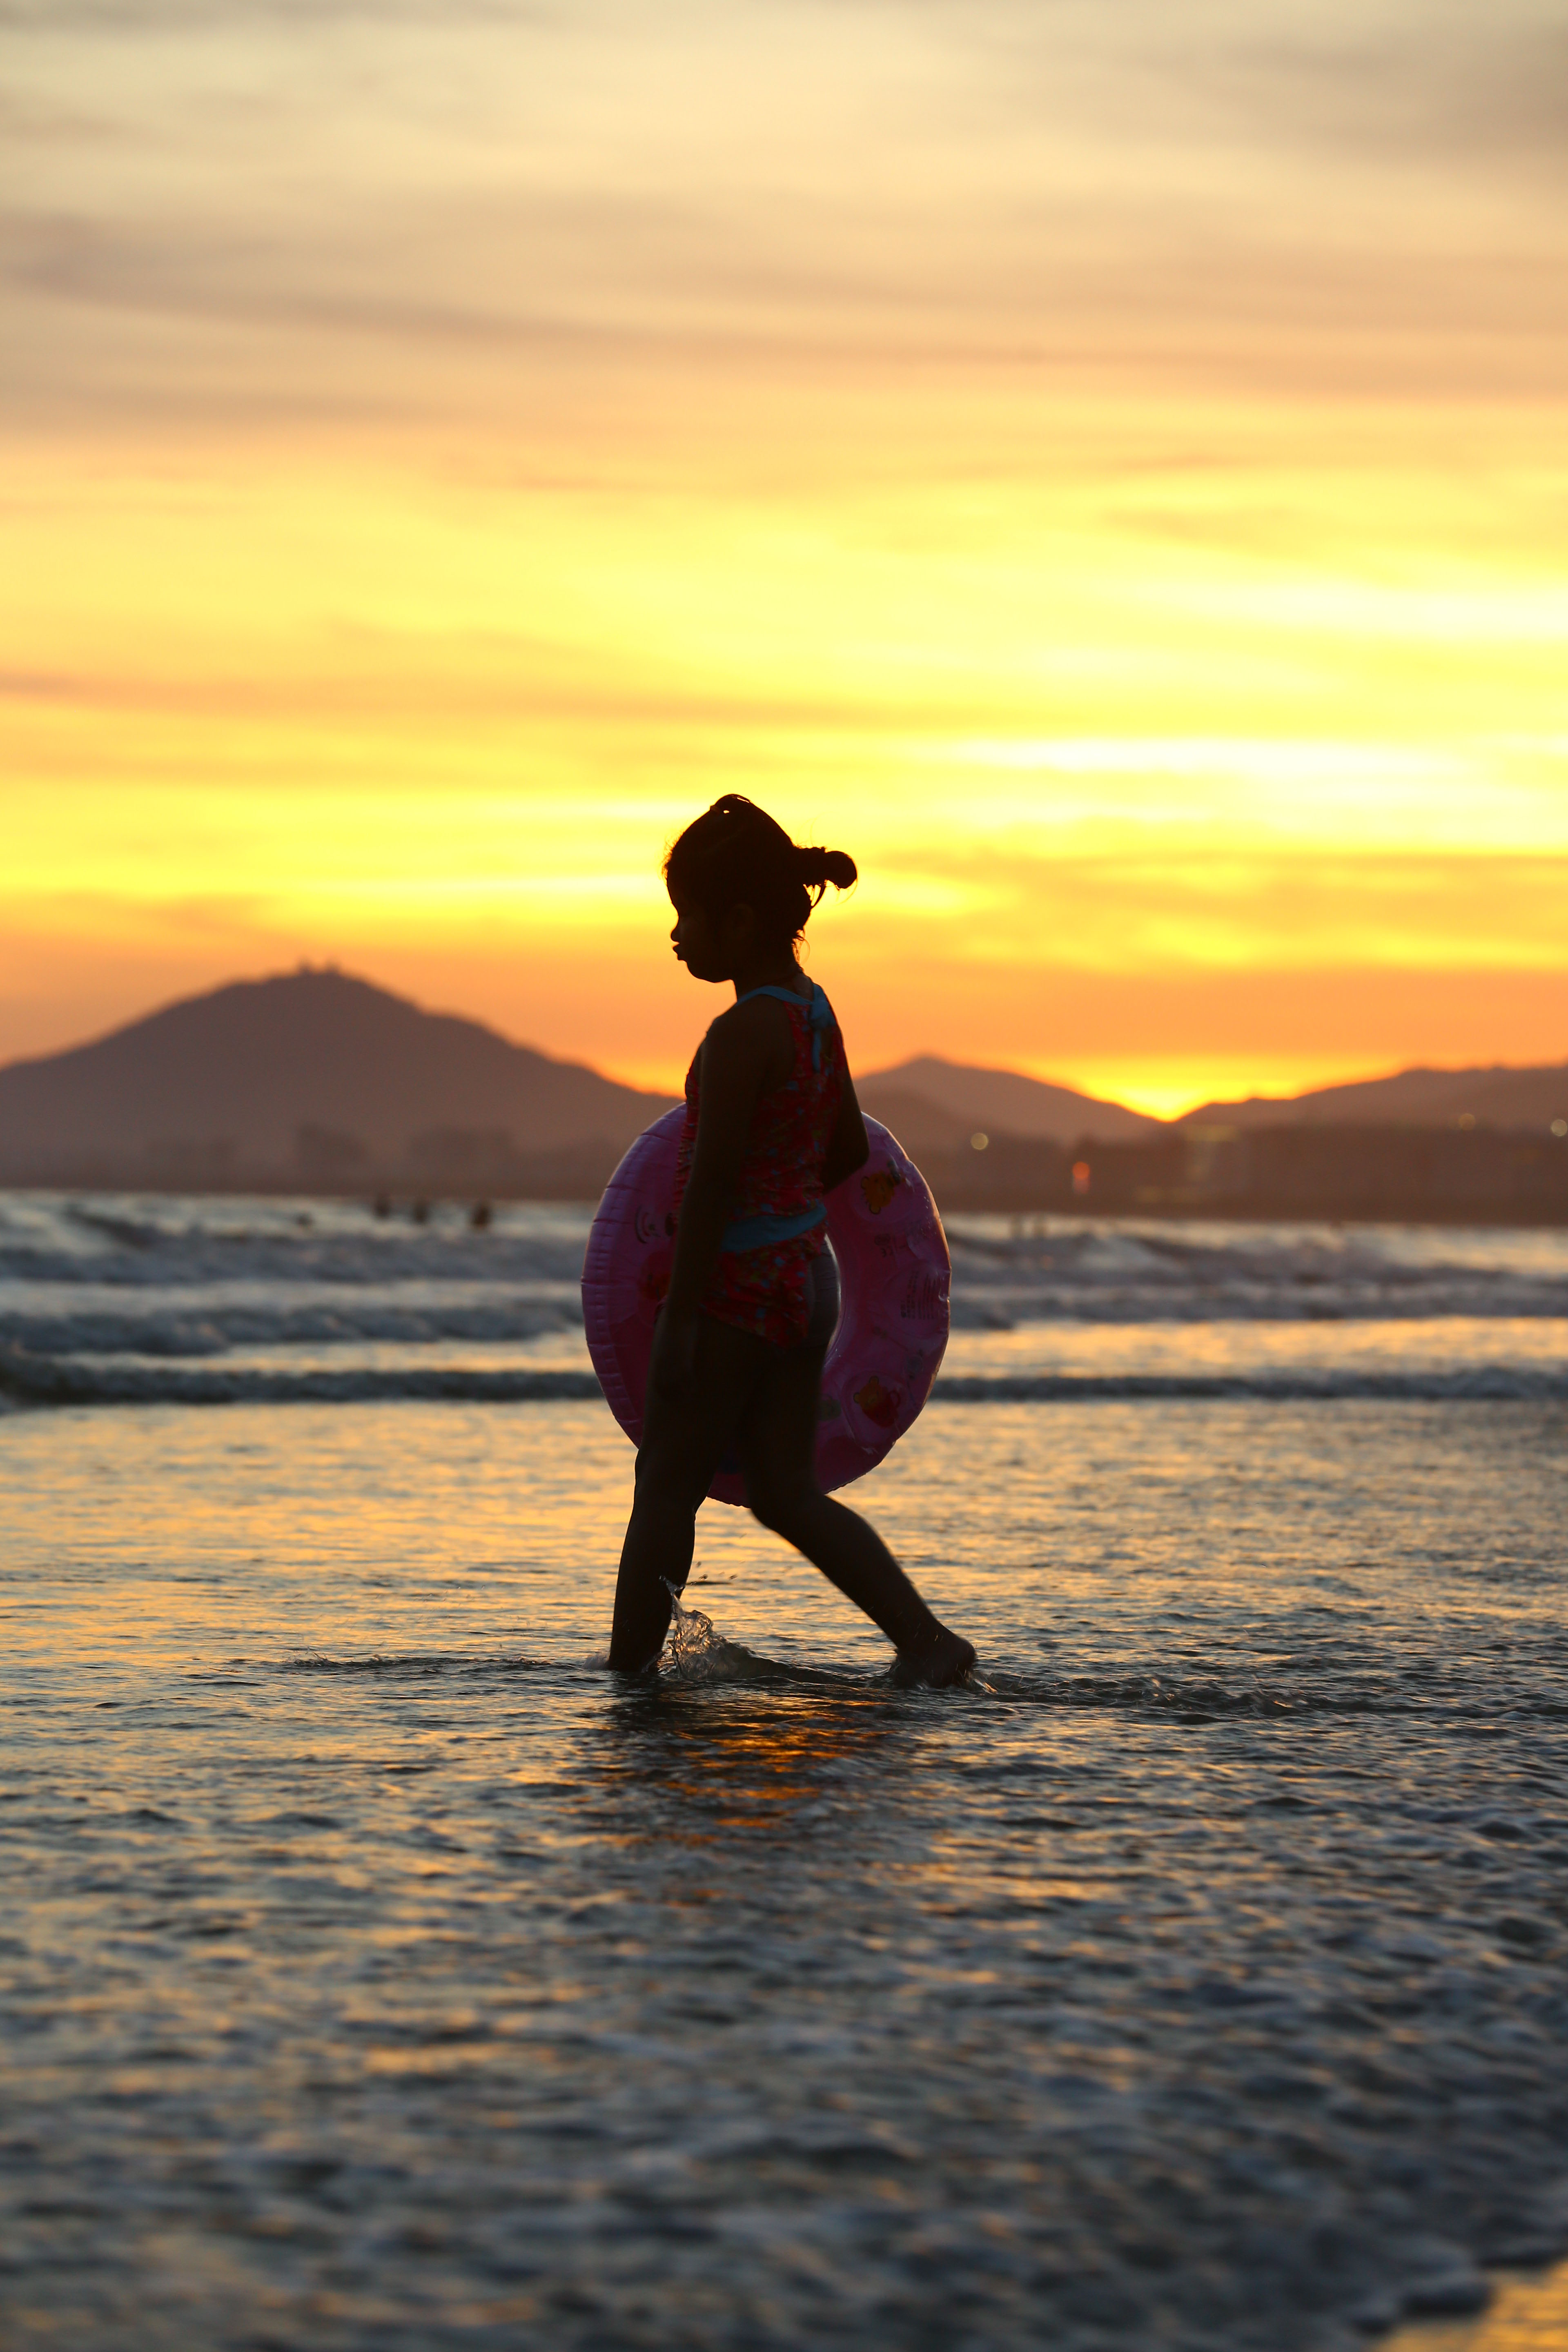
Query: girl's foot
(937,1665)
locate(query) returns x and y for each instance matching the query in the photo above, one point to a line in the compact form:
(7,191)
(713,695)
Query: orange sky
(1105,469)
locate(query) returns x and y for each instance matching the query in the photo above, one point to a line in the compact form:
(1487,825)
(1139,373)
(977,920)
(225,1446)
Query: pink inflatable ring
(893,1273)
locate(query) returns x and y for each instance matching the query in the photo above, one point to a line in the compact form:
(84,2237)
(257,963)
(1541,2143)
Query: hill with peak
(311,1075)
(956,1099)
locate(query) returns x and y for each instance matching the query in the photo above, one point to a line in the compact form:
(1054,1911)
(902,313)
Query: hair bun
(818,867)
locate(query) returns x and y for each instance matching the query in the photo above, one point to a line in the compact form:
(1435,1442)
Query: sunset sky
(1104,466)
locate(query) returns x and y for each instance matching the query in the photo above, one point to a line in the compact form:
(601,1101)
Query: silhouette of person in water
(772,1125)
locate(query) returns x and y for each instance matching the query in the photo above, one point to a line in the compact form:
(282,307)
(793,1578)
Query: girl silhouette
(772,1125)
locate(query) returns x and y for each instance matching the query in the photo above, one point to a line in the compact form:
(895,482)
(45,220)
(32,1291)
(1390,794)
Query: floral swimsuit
(778,1217)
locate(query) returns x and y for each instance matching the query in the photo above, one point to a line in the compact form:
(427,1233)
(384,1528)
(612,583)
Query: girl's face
(708,949)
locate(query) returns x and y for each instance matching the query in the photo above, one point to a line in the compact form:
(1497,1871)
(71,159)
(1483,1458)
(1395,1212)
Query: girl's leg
(684,1437)
(778,1447)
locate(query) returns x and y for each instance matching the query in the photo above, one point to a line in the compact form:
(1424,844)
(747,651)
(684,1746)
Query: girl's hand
(673,1362)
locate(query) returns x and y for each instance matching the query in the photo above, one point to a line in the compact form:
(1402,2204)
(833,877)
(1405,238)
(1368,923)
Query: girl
(772,1124)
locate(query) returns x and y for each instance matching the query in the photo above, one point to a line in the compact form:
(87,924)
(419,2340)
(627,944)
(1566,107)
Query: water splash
(696,1653)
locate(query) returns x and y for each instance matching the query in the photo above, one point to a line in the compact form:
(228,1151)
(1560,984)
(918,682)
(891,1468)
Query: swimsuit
(778,1217)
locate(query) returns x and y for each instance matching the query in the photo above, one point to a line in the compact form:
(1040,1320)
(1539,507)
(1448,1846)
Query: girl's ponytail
(818,867)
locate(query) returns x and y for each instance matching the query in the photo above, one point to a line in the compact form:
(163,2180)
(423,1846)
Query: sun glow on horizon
(1170,1088)
(1161,1089)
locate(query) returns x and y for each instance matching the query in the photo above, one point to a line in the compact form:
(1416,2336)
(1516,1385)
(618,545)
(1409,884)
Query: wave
(1006,1308)
(43,1381)
(28,1380)
(180,1244)
(216,1325)
(1004,1272)
(119,1299)
(1278,1274)
(186,1262)
(171,1328)
(1502,1382)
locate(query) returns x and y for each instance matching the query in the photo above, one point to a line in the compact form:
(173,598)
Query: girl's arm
(738,1055)
(848,1147)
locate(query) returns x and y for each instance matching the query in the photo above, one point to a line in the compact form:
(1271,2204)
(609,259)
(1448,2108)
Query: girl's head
(748,886)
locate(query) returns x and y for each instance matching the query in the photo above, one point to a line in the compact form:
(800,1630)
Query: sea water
(380,1973)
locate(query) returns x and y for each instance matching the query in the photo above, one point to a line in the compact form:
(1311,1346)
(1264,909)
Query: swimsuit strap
(760,1232)
(817,1009)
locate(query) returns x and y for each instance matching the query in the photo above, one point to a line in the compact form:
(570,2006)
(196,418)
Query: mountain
(999,1101)
(312,1072)
(922,1127)
(318,1079)
(1498,1097)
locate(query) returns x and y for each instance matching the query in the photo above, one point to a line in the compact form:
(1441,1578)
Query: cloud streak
(997,187)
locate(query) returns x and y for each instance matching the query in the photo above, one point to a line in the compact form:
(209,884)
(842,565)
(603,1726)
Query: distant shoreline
(402,1199)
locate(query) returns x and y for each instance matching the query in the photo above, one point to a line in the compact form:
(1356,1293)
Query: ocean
(378,1973)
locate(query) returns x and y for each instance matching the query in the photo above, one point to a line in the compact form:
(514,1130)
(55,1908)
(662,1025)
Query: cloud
(1455,95)
(239,204)
(134,20)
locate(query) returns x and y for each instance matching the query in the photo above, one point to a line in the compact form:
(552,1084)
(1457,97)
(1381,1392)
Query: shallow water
(380,1974)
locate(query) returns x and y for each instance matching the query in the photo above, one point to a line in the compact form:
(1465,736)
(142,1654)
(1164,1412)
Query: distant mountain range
(317,1079)
(1494,1097)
